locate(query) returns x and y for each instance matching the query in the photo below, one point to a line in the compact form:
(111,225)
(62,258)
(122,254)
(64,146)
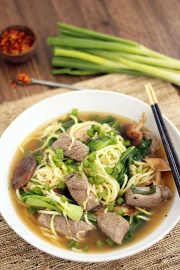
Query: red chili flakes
(13,83)
(15,42)
(24,77)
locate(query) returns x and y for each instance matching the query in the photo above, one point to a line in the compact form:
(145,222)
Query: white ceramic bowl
(53,107)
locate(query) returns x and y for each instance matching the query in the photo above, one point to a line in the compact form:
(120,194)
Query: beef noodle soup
(90,182)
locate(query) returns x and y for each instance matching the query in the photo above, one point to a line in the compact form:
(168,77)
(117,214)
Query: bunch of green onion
(80,51)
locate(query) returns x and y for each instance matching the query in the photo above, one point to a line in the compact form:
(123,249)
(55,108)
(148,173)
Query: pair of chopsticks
(165,137)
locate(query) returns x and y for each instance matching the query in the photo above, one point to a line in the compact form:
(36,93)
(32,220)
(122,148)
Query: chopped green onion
(110,242)
(85,163)
(92,157)
(108,170)
(119,201)
(39,159)
(90,132)
(86,248)
(101,194)
(77,245)
(79,174)
(99,181)
(113,132)
(91,180)
(119,167)
(120,212)
(115,174)
(126,143)
(47,187)
(62,185)
(111,207)
(139,169)
(75,112)
(70,169)
(59,153)
(99,243)
(81,140)
(63,199)
(113,140)
(69,161)
(93,173)
(32,210)
(101,135)
(71,243)
(97,128)
(94,167)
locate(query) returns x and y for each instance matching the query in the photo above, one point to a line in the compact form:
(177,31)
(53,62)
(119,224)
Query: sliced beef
(62,226)
(113,225)
(78,150)
(155,141)
(78,187)
(24,172)
(151,200)
(81,133)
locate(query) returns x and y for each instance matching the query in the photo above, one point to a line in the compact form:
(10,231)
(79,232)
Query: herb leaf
(135,190)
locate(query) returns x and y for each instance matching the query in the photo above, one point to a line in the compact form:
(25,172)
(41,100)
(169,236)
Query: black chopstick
(166,140)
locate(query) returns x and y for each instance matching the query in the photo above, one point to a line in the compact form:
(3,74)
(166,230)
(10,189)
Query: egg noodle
(48,175)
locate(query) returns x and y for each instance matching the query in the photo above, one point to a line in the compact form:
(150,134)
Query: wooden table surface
(153,23)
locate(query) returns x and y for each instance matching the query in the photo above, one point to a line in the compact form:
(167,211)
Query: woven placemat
(16,254)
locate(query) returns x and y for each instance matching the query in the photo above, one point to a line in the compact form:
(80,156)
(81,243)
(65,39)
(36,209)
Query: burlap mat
(16,254)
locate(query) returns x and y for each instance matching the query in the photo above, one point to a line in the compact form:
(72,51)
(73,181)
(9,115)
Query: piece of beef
(155,141)
(113,225)
(24,172)
(152,200)
(78,187)
(78,150)
(62,226)
(81,133)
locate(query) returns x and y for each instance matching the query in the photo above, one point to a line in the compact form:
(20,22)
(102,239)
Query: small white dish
(93,100)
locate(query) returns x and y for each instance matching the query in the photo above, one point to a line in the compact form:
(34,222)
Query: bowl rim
(72,255)
(32,48)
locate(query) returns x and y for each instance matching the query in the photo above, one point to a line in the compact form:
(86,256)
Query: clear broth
(160,213)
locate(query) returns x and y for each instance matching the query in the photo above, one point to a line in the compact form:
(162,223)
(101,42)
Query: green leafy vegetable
(112,122)
(122,166)
(27,153)
(74,211)
(39,159)
(134,222)
(32,210)
(98,144)
(141,151)
(94,117)
(35,191)
(69,122)
(91,217)
(151,190)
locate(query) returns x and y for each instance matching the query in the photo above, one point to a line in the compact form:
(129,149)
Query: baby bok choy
(72,211)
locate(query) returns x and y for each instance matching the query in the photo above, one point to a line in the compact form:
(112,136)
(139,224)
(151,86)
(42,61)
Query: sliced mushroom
(24,172)
(158,164)
(132,133)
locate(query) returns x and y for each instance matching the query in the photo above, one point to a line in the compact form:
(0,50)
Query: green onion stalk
(80,51)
